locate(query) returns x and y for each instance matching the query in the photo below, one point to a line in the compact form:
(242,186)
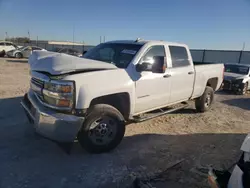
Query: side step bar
(163,112)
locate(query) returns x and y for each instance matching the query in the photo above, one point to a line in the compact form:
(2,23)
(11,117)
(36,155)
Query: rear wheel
(204,102)
(18,55)
(102,130)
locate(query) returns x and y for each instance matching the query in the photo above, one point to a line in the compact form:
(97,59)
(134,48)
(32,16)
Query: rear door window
(179,56)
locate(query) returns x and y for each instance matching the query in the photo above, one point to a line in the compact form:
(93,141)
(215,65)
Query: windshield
(237,69)
(116,53)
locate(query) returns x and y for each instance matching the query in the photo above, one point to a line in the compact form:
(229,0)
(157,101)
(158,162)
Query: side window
(153,51)
(2,44)
(179,56)
(8,44)
(106,54)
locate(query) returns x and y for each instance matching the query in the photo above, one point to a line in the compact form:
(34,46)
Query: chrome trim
(51,124)
(40,76)
(27,110)
(35,88)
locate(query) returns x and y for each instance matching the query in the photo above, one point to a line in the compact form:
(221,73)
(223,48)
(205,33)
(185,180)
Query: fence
(52,47)
(209,56)
(221,56)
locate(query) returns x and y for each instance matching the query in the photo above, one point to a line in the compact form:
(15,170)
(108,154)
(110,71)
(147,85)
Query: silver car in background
(237,78)
(23,52)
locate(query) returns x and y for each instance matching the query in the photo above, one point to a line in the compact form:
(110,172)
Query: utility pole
(36,40)
(73,36)
(100,39)
(103,38)
(6,35)
(243,47)
(29,34)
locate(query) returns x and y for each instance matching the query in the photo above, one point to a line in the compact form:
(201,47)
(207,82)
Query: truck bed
(204,72)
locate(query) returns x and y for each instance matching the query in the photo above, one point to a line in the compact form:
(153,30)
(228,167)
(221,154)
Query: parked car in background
(70,51)
(236,78)
(6,46)
(23,52)
(92,98)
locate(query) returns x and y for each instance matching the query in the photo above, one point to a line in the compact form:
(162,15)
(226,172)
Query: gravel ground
(27,160)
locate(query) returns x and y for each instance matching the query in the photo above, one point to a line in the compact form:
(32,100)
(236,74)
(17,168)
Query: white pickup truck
(94,97)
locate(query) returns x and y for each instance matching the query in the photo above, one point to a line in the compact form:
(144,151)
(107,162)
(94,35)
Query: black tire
(97,112)
(2,53)
(18,55)
(203,103)
(244,89)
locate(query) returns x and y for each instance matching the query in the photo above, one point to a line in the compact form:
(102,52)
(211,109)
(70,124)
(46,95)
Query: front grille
(37,86)
(37,82)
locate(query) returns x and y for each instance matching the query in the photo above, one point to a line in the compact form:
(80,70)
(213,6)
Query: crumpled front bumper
(49,123)
(232,86)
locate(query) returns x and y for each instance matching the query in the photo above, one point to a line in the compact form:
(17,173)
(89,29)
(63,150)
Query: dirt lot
(212,138)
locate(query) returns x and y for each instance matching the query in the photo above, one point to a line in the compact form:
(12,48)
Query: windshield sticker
(132,52)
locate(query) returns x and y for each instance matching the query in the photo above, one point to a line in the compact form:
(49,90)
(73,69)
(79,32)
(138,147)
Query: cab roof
(142,42)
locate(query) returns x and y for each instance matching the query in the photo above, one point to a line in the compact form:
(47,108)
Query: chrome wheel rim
(103,130)
(208,100)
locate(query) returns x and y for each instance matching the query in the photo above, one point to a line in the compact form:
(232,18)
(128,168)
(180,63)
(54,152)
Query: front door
(152,89)
(182,75)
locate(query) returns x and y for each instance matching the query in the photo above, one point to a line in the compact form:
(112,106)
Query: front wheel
(204,102)
(103,129)
(18,55)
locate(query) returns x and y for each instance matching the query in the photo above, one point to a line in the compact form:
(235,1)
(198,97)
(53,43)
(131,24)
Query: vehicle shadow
(222,92)
(26,157)
(17,60)
(243,103)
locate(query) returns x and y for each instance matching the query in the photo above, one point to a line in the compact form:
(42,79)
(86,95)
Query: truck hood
(57,63)
(233,76)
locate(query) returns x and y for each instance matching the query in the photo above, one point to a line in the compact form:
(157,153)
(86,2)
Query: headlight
(59,94)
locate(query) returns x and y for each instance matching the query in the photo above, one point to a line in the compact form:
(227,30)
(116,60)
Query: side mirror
(84,52)
(159,65)
(144,66)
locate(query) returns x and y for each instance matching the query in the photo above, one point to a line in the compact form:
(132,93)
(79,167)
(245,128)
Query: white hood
(56,63)
(233,76)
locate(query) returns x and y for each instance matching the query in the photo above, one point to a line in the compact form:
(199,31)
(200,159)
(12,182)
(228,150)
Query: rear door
(182,74)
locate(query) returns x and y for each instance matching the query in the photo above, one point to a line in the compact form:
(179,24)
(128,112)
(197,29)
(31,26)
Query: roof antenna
(138,39)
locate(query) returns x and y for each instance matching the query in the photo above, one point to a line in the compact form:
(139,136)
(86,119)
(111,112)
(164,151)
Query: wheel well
(120,101)
(212,82)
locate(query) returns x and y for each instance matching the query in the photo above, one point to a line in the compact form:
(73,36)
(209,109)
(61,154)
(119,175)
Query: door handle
(167,76)
(191,72)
